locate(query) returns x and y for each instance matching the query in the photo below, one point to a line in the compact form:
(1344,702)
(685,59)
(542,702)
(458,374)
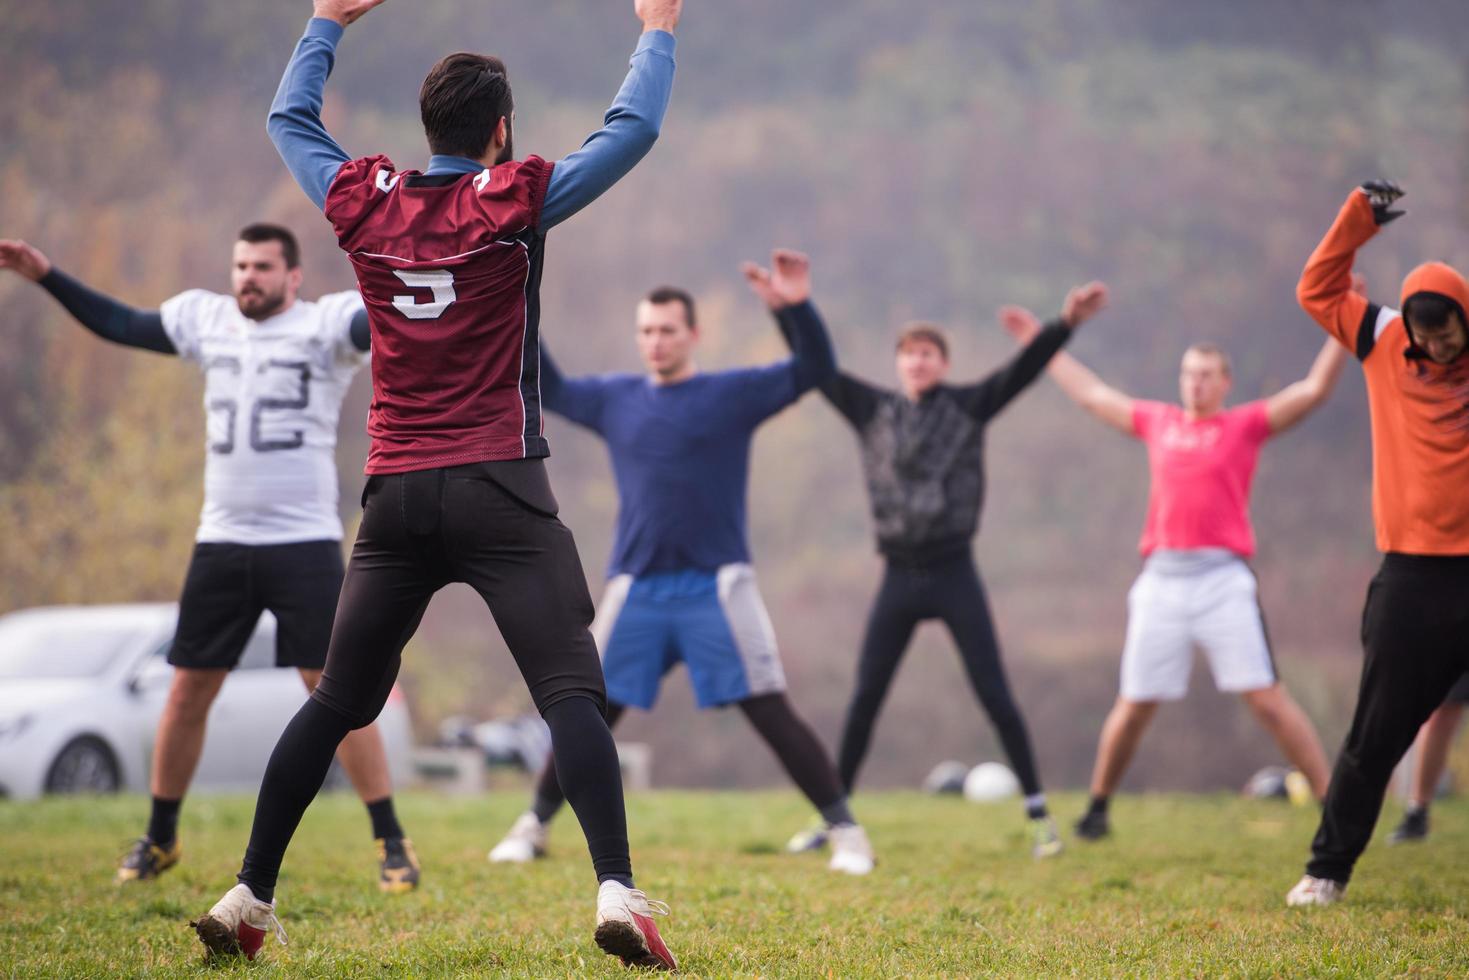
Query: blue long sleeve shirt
(628,132)
(681,452)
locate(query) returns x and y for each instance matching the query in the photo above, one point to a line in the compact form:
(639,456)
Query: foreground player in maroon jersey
(449,264)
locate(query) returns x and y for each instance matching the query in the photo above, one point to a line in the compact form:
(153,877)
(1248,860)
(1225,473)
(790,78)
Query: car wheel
(85,765)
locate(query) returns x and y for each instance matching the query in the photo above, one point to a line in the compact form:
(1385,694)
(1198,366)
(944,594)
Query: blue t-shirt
(681,452)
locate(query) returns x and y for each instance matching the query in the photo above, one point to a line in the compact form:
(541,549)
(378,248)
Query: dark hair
(261,232)
(672,294)
(923,332)
(462,100)
(1429,311)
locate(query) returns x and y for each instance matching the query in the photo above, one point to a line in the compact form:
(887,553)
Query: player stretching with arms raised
(1196,588)
(923,459)
(276,368)
(1415,628)
(449,263)
(681,588)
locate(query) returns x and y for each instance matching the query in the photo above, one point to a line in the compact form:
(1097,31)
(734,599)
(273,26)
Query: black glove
(1383,194)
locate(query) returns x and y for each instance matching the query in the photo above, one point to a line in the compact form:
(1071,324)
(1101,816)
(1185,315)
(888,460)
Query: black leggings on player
(421,531)
(949,590)
(794,743)
(1415,635)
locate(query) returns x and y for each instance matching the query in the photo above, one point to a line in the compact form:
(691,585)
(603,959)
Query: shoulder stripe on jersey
(447,258)
(1367,332)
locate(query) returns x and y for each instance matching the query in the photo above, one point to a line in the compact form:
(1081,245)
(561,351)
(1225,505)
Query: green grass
(1188,886)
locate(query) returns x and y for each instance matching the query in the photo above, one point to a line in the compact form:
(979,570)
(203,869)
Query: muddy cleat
(147,861)
(1045,842)
(397,865)
(1413,828)
(813,838)
(625,927)
(1315,891)
(1093,826)
(238,924)
(851,852)
(525,842)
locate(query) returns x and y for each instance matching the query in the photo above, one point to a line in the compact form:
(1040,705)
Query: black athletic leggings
(949,590)
(421,531)
(794,743)
(1415,636)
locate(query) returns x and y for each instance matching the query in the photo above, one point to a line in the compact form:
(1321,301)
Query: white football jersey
(273,394)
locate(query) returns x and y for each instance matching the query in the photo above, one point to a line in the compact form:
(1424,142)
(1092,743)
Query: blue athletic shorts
(714,623)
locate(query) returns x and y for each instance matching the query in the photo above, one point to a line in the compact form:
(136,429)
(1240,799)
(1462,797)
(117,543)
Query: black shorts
(229,585)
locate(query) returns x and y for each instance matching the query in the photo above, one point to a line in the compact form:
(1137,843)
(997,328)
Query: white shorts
(1207,601)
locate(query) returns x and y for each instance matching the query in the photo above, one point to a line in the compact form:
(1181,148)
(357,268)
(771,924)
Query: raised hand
(656,15)
(789,283)
(1383,194)
(1083,303)
(343,12)
(23,259)
(1019,323)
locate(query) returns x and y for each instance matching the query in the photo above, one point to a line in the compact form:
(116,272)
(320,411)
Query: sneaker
(813,838)
(525,842)
(625,927)
(1315,891)
(1413,828)
(147,861)
(851,852)
(397,865)
(238,923)
(1093,826)
(1045,842)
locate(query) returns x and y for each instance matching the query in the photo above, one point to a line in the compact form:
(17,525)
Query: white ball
(989,782)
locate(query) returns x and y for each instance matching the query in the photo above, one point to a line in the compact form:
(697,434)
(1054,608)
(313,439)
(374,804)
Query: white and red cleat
(238,924)
(625,927)
(1315,891)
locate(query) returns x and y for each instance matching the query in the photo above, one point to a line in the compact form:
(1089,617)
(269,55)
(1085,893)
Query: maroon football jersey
(450,269)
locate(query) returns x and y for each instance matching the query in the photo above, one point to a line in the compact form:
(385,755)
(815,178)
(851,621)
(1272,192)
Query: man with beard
(449,263)
(1416,620)
(276,368)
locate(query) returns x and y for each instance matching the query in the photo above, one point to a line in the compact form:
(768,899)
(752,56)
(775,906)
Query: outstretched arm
(1078,381)
(99,313)
(295,125)
(578,400)
(1294,402)
(1325,290)
(631,125)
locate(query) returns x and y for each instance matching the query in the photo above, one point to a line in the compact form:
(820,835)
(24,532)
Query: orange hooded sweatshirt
(1420,410)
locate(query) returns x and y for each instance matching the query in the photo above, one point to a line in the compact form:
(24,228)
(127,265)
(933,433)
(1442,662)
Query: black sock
(293,777)
(384,820)
(588,771)
(163,821)
(1098,806)
(838,813)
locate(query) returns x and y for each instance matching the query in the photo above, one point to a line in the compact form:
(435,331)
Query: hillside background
(936,159)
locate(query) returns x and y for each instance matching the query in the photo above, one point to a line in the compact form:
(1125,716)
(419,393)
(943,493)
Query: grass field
(1188,886)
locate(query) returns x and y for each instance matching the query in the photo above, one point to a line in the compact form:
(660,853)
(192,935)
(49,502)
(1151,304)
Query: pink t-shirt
(1201,475)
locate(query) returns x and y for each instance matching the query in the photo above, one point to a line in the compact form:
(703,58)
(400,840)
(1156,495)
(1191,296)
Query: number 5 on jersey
(440,281)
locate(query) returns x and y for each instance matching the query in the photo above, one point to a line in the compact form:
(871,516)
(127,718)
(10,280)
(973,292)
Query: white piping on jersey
(524,333)
(1385,316)
(448,258)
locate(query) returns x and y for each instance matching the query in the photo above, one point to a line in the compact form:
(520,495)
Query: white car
(82,688)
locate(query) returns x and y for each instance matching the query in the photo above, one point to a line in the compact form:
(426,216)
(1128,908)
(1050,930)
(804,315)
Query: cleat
(851,852)
(525,842)
(813,838)
(147,861)
(1045,842)
(1093,826)
(397,865)
(625,927)
(1413,828)
(1315,891)
(238,924)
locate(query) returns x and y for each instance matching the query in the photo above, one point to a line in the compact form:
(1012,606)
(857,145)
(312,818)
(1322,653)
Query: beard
(507,152)
(256,304)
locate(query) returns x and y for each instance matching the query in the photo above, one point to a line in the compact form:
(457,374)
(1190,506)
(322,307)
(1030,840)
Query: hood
(1437,279)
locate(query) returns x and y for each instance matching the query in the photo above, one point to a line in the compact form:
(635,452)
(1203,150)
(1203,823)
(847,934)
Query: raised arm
(99,313)
(1294,402)
(631,125)
(578,400)
(1079,383)
(1325,290)
(294,124)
